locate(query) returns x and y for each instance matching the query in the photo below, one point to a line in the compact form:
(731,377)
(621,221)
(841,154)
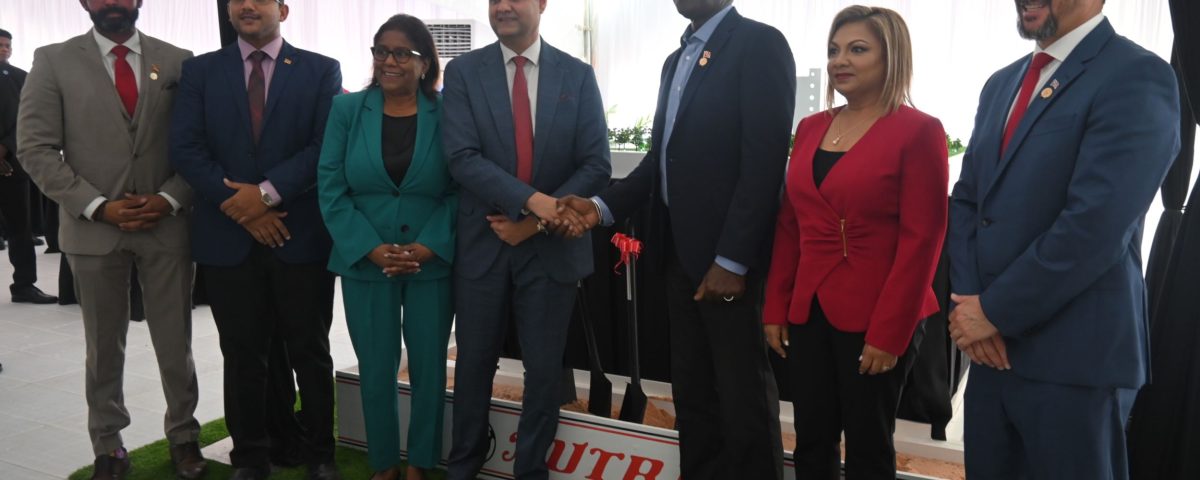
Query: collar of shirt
(1063,47)
(705,31)
(271,49)
(533,54)
(134,43)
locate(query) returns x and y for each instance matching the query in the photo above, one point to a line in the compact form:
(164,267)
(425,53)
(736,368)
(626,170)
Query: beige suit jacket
(77,142)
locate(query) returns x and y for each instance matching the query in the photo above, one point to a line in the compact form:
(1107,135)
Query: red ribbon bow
(629,247)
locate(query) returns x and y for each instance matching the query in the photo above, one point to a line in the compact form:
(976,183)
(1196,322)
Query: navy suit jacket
(211,140)
(1049,233)
(727,152)
(570,149)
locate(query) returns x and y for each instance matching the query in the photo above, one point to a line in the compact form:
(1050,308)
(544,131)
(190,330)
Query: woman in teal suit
(389,203)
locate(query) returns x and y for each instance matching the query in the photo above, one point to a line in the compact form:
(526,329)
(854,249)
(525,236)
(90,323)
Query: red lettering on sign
(507,455)
(556,454)
(602,463)
(635,468)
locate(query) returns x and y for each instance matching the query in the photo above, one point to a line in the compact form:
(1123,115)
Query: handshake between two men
(568,217)
(572,216)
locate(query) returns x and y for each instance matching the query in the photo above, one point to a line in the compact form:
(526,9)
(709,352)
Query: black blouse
(823,162)
(399,138)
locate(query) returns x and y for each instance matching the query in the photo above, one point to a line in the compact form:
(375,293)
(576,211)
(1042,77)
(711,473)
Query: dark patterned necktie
(256,91)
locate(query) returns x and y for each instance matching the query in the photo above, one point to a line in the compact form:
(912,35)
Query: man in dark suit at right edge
(714,171)
(1070,146)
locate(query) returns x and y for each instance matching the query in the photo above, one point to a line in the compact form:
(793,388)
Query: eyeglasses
(402,55)
(261,3)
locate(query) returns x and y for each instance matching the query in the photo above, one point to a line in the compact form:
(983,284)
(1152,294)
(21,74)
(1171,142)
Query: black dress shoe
(324,471)
(189,463)
(247,473)
(112,466)
(37,241)
(31,294)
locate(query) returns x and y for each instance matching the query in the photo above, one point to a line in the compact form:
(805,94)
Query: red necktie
(522,122)
(1027,85)
(256,90)
(126,82)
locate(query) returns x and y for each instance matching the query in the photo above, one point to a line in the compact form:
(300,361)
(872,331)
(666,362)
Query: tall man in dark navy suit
(522,124)
(714,172)
(246,133)
(1070,145)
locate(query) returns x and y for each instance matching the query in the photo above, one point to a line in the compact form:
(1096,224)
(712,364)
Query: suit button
(404,229)
(395,194)
(987,222)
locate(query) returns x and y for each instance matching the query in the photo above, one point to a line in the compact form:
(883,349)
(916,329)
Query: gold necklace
(848,130)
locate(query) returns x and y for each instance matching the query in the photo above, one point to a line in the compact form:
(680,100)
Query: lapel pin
(1047,92)
(1054,83)
(704,58)
(287,61)
(154,72)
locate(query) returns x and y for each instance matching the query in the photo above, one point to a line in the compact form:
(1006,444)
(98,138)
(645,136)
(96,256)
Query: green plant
(955,146)
(635,138)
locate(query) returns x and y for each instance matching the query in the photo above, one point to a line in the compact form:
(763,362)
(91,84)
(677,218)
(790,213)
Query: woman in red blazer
(857,241)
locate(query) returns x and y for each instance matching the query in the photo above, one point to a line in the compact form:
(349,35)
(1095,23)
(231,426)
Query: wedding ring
(729,298)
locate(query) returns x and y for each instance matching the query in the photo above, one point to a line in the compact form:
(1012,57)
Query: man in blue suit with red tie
(246,133)
(1069,147)
(522,123)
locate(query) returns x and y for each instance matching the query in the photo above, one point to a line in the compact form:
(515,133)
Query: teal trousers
(378,314)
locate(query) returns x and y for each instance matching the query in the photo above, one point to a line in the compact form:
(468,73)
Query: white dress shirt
(533,55)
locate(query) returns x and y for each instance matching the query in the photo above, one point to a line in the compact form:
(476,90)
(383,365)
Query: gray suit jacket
(570,153)
(77,142)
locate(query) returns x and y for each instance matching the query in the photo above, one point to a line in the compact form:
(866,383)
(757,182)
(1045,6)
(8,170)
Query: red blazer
(868,241)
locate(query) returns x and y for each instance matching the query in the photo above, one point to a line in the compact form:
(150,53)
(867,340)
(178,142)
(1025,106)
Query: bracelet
(599,213)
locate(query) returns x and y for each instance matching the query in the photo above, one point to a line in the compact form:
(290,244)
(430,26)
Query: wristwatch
(266,197)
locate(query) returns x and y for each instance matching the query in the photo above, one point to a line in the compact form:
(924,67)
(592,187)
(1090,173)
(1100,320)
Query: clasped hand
(246,208)
(975,334)
(396,259)
(135,212)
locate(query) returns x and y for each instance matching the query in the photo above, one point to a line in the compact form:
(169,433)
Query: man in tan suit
(92,133)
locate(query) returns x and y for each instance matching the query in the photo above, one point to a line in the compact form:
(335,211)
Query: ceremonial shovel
(600,391)
(633,407)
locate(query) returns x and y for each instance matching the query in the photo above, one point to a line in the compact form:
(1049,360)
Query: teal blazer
(361,205)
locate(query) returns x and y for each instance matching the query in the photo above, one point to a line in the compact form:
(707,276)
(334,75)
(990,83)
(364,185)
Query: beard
(121,23)
(1049,27)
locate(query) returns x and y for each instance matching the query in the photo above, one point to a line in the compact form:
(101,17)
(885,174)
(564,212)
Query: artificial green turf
(153,461)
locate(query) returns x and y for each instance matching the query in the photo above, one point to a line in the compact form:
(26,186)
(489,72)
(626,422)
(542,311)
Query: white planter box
(586,446)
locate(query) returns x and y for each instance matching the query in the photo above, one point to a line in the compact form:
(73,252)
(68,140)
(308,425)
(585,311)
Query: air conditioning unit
(456,37)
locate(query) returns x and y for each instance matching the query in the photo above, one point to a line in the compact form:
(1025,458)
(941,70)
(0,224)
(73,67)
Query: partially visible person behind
(1070,146)
(857,241)
(389,203)
(246,133)
(92,133)
(15,186)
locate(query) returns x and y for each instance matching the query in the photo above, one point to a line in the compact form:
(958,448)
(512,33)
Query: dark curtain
(1164,431)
